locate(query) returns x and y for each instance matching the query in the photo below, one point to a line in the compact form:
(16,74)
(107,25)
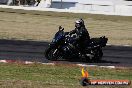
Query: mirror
(61,28)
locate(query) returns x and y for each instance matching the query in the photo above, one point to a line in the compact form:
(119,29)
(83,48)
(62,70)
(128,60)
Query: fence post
(61,4)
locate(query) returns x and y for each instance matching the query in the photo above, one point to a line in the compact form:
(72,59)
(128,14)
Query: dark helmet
(79,23)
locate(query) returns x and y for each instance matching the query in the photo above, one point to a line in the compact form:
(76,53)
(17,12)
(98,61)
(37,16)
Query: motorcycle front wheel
(51,54)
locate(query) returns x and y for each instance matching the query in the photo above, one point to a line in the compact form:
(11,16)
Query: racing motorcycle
(63,46)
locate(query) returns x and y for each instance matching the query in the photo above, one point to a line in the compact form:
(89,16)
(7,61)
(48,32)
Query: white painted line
(118,45)
(48,63)
(126,45)
(84,65)
(3,61)
(107,66)
(28,62)
(25,62)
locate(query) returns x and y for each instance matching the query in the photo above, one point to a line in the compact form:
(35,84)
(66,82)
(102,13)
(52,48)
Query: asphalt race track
(34,51)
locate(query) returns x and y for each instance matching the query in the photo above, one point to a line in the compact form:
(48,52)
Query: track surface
(34,51)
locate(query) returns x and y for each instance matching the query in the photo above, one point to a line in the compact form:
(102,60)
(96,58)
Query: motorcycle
(63,46)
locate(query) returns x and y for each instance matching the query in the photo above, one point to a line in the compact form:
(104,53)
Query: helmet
(79,23)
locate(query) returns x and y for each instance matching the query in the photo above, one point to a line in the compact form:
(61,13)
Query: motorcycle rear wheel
(98,56)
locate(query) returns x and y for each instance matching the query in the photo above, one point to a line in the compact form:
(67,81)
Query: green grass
(55,76)
(42,25)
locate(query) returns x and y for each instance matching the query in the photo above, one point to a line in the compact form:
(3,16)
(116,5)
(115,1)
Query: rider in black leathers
(83,37)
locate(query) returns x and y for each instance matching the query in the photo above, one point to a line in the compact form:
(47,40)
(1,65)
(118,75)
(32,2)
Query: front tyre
(51,54)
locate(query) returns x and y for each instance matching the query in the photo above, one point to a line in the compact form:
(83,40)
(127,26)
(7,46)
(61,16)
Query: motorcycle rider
(83,37)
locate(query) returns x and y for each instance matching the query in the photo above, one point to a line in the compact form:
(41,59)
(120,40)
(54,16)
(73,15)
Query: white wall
(110,6)
(123,10)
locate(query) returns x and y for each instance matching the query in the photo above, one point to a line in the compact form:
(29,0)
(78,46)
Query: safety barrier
(106,7)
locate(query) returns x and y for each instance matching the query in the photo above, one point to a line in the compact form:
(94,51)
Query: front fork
(55,51)
(56,47)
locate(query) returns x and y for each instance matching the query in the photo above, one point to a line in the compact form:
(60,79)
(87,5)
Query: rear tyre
(98,56)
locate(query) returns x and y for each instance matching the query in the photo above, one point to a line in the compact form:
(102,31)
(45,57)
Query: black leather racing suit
(82,38)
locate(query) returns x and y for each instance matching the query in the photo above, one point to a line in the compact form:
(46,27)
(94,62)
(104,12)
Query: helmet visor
(77,25)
